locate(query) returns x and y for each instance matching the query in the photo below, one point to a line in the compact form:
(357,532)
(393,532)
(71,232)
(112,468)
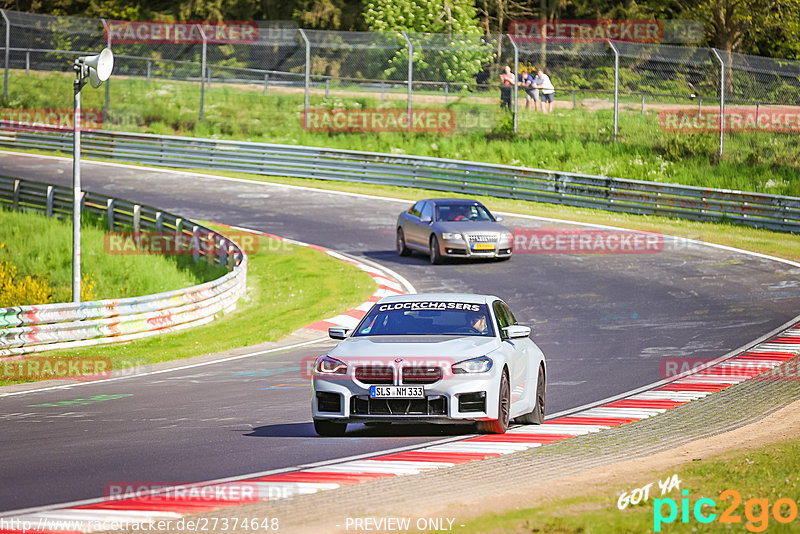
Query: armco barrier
(506,181)
(25,329)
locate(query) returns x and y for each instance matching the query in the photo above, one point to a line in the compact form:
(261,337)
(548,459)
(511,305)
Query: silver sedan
(451,227)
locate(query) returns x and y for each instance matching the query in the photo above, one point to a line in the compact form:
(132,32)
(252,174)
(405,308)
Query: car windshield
(426,318)
(462,212)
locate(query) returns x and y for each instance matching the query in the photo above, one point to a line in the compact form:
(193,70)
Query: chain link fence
(608,91)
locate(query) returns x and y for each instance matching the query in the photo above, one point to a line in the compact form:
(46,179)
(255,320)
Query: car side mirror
(498,218)
(425,220)
(516,331)
(338,332)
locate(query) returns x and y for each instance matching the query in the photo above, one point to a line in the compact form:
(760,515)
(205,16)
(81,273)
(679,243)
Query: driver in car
(478,324)
(458,213)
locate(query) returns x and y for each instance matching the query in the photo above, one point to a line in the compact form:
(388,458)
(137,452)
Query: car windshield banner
(429,305)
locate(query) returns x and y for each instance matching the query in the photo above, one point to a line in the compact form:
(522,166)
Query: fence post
(446,90)
(8,44)
(410,78)
(327,86)
(516,87)
(307,81)
(266,84)
(203,71)
(28,62)
(148,71)
(573,99)
(721,102)
(616,89)
(642,105)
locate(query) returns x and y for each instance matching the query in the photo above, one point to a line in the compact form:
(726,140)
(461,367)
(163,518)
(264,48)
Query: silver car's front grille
(483,238)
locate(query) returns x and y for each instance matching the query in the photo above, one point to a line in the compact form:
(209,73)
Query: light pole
(97,69)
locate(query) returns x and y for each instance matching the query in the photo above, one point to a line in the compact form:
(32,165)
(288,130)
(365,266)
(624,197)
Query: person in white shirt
(542,81)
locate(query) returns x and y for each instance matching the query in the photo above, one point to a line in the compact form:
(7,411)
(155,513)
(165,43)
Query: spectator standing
(531,94)
(542,81)
(506,83)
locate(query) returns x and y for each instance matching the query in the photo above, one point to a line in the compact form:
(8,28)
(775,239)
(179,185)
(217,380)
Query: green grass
(769,473)
(42,248)
(578,140)
(288,287)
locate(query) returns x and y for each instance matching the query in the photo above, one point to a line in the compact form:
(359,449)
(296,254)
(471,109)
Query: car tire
(499,425)
(536,417)
(402,249)
(436,255)
(324,427)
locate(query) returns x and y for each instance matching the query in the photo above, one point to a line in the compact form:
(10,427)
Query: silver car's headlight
(451,236)
(330,366)
(481,364)
(506,236)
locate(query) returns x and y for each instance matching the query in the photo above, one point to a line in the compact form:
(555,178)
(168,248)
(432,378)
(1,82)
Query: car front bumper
(453,399)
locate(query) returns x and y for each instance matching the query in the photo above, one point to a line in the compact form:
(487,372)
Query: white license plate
(396,392)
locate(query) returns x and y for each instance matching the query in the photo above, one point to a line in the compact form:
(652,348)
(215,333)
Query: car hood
(469,226)
(456,348)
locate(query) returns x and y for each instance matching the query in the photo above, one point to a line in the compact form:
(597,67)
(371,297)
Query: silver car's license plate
(396,392)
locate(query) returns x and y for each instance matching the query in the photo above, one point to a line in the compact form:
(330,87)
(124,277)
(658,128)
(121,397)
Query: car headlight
(506,236)
(481,364)
(451,236)
(330,366)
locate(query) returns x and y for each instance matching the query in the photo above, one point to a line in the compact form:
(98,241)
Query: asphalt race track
(604,321)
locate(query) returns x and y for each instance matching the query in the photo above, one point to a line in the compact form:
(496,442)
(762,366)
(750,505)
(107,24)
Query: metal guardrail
(505,181)
(26,329)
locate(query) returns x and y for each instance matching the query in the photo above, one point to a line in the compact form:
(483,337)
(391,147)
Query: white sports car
(435,358)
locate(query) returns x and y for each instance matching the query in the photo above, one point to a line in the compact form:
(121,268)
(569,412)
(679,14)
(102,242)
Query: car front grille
(433,405)
(375,374)
(483,238)
(421,374)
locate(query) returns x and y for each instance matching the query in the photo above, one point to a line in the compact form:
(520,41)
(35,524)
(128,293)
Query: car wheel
(499,425)
(402,249)
(324,427)
(436,256)
(536,417)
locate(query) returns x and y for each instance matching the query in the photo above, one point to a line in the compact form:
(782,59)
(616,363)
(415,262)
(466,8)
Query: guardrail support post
(410,77)
(195,243)
(137,219)
(110,213)
(307,81)
(616,89)
(16,194)
(8,45)
(49,208)
(721,102)
(159,222)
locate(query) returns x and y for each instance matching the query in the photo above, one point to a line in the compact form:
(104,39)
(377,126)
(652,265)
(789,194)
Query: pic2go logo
(756,511)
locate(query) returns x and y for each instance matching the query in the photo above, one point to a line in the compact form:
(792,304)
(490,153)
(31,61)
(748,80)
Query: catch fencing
(626,84)
(27,329)
(503,181)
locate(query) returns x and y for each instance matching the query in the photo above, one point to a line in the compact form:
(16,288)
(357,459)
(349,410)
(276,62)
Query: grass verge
(571,140)
(762,483)
(288,287)
(113,275)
